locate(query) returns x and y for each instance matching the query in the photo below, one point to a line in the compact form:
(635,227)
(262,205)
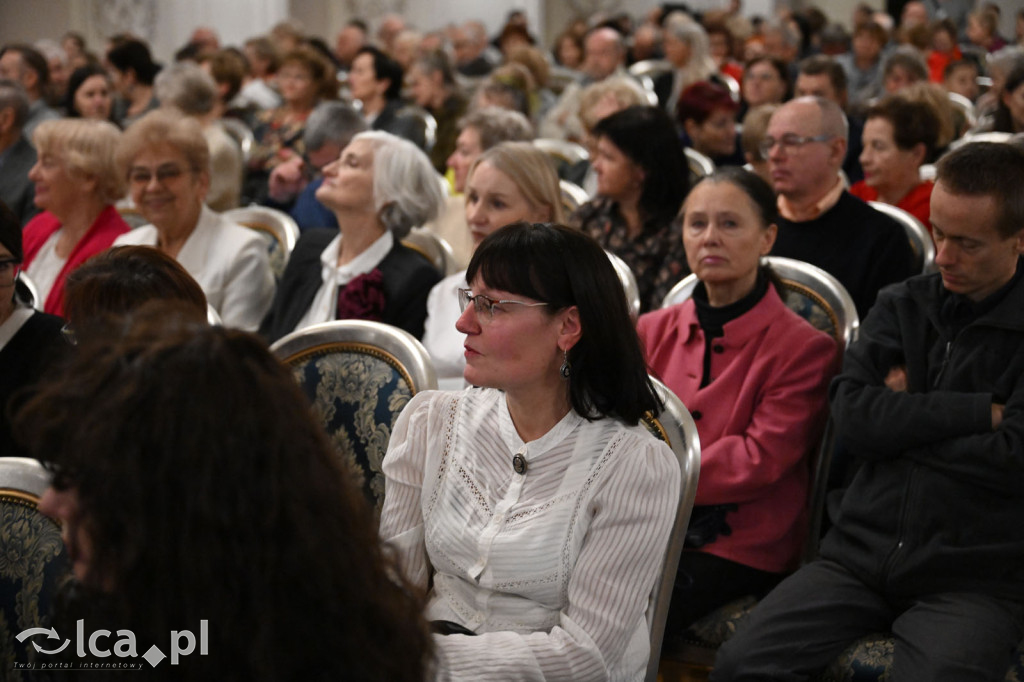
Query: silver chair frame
(23,475)
(629,285)
(920,239)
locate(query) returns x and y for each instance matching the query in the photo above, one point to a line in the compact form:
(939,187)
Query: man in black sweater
(820,222)
(926,541)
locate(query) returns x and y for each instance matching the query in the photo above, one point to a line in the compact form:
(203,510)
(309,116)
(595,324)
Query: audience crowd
(685,146)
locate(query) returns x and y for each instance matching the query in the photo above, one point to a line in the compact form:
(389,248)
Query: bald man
(604,54)
(820,222)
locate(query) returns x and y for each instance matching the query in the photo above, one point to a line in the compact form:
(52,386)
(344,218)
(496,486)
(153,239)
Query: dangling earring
(566,369)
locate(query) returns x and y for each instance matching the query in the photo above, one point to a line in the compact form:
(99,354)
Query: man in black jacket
(926,542)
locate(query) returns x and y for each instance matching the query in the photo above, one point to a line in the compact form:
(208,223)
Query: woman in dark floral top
(641,183)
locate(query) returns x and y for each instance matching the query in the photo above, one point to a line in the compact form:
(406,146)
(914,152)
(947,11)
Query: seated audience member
(29,340)
(171,439)
(641,183)
(983,30)
(568,50)
(294,183)
(16,151)
(536,62)
(820,222)
(76,184)
(350,38)
(509,86)
(759,399)
(924,542)
(903,67)
(257,92)
(90,94)
(952,119)
(406,48)
(821,76)
(1009,116)
(944,50)
(720,47)
(304,78)
(24,65)
(375,80)
(765,81)
(598,101)
(863,64)
(228,68)
(112,285)
(551,442)
(166,160)
(604,56)
(899,136)
(961,78)
(133,71)
(755,127)
(707,114)
(187,87)
(479,130)
(433,88)
(379,188)
(511,182)
(686,49)
(469,43)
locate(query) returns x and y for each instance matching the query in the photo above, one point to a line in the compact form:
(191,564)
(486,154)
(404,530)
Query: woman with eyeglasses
(534,510)
(510,182)
(76,184)
(753,375)
(27,337)
(379,188)
(166,160)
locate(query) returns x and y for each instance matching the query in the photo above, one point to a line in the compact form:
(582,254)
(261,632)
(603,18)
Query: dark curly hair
(208,491)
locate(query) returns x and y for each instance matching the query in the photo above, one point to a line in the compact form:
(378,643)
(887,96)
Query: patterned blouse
(276,135)
(656,256)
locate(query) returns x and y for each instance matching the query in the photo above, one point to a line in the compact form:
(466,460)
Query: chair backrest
(629,285)
(917,234)
(131,215)
(562,150)
(676,427)
(280,230)
(560,78)
(700,166)
(35,561)
(242,135)
(213,317)
(573,196)
(809,291)
(433,248)
(966,107)
(31,291)
(426,122)
(358,375)
(650,68)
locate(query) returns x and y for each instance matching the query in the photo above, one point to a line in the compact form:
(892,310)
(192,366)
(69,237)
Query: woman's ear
(768,238)
(570,330)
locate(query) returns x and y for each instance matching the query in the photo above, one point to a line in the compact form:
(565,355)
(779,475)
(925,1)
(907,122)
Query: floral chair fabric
(33,564)
(357,391)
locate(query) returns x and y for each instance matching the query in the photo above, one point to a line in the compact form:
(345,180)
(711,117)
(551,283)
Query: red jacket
(917,202)
(107,227)
(758,419)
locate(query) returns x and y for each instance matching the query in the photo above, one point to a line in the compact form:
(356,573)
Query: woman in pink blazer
(754,376)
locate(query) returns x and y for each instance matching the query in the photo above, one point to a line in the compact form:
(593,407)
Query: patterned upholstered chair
(280,230)
(675,426)
(33,561)
(820,299)
(358,376)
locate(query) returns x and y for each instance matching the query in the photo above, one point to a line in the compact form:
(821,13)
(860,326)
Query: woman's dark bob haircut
(648,137)
(564,267)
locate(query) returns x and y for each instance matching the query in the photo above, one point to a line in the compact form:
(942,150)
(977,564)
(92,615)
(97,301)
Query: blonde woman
(76,184)
(511,182)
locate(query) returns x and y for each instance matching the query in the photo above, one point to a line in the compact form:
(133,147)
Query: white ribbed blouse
(552,568)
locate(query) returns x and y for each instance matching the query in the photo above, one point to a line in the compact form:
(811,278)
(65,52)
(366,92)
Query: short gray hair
(186,86)
(406,189)
(332,122)
(495,125)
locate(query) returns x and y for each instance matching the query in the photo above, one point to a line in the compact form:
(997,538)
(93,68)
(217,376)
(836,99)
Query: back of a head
(182,440)
(495,125)
(13,96)
(117,282)
(564,267)
(134,55)
(188,87)
(987,169)
(332,122)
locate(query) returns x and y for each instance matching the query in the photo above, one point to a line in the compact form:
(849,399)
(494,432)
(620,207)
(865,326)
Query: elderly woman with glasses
(379,189)
(76,184)
(167,162)
(533,509)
